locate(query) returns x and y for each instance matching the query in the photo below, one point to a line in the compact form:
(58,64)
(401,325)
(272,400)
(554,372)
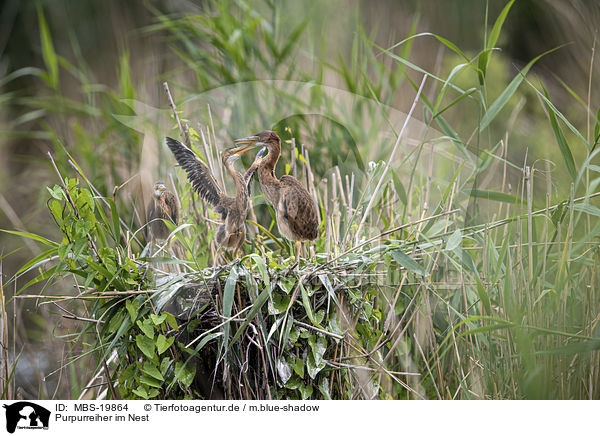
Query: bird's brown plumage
(162,207)
(232,232)
(295,208)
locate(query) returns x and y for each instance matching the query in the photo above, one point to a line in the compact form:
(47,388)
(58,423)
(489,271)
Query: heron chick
(162,207)
(232,232)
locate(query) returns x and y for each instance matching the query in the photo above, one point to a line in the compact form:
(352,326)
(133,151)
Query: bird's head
(266,138)
(159,188)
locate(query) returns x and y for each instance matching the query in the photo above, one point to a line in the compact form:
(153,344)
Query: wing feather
(198,173)
(299,209)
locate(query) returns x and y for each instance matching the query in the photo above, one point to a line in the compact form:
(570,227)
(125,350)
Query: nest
(280,332)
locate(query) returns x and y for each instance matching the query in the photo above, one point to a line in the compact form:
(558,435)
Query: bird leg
(298,248)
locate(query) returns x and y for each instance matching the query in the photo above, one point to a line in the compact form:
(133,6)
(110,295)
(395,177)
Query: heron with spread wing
(232,232)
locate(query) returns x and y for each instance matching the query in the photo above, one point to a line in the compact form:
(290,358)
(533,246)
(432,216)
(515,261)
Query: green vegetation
(444,268)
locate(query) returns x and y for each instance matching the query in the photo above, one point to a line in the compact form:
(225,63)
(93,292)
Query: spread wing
(299,208)
(197,171)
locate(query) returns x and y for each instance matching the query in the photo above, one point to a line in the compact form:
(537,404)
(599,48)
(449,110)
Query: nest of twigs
(258,331)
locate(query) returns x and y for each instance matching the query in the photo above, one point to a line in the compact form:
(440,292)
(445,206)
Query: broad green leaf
(228,295)
(306,303)
(162,343)
(158,319)
(306,391)
(408,262)
(283,370)
(146,327)
(132,307)
(324,388)
(454,240)
(150,381)
(142,392)
(299,367)
(184,373)
(146,345)
(151,370)
(172,321)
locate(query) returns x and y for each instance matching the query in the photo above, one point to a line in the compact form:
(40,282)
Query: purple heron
(295,208)
(162,207)
(232,232)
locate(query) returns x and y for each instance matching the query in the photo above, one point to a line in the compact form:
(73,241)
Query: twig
(184,137)
(308,326)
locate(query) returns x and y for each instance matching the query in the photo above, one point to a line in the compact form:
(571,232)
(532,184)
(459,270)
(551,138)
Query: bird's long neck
(270,160)
(240,186)
(266,174)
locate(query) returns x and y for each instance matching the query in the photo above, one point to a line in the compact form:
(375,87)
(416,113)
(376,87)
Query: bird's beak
(261,152)
(242,149)
(253,140)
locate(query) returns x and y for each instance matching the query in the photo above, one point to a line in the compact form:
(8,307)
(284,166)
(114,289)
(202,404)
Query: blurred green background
(109,53)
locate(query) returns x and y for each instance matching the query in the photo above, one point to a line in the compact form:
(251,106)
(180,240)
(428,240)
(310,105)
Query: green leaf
(324,388)
(146,327)
(146,345)
(494,34)
(465,259)
(48,53)
(228,295)
(454,240)
(142,392)
(299,367)
(164,365)
(483,296)
(115,219)
(150,381)
(508,92)
(162,343)
(587,208)
(278,303)
(283,369)
(575,348)
(315,362)
(172,321)
(306,303)
(32,236)
(562,142)
(495,196)
(306,391)
(158,319)
(132,307)
(184,373)
(399,188)
(152,371)
(408,262)
(313,367)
